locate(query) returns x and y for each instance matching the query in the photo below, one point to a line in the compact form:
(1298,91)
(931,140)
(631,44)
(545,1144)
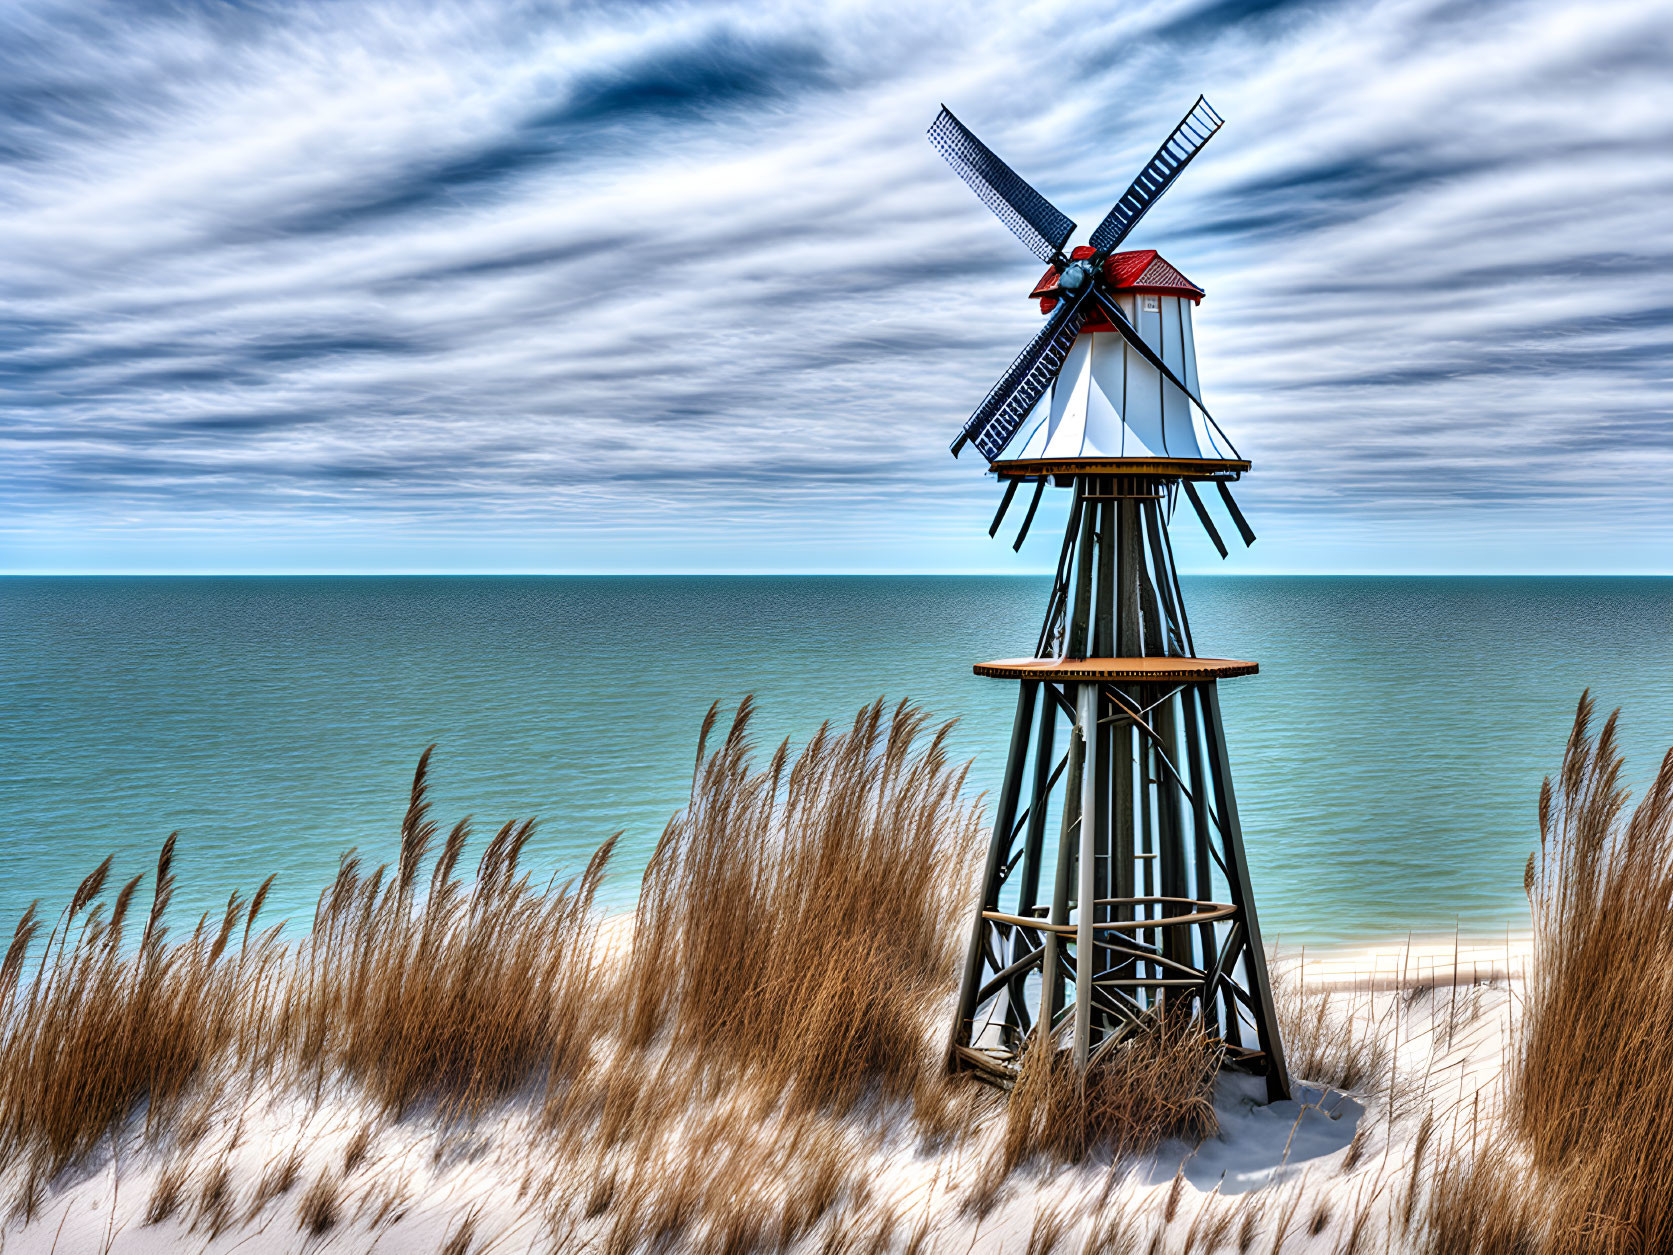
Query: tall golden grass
(715,1082)
(102,1026)
(458,996)
(1593,1081)
(459,993)
(1578,1162)
(796,935)
(1160,1084)
(1328,1042)
(797,924)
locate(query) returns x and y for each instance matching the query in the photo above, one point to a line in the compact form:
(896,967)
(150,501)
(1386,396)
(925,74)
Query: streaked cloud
(544,286)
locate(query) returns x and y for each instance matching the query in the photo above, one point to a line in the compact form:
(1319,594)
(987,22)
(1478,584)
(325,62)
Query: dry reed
(1579,1163)
(1334,1038)
(1157,1084)
(721,1083)
(1593,1076)
(796,935)
(809,910)
(102,1028)
(1485,1204)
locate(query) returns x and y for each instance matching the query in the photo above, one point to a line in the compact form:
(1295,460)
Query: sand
(1301,1176)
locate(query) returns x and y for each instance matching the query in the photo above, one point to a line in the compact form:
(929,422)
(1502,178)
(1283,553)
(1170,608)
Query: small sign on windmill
(1144,907)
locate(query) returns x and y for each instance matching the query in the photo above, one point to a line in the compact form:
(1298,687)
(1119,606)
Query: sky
(354,286)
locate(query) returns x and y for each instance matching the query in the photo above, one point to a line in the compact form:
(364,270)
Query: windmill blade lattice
(1194,130)
(1007,404)
(1034,219)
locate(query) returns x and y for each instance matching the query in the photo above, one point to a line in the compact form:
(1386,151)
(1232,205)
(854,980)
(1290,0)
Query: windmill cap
(1144,270)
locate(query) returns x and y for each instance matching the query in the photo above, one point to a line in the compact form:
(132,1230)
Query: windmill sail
(1195,129)
(1007,403)
(1126,390)
(1033,218)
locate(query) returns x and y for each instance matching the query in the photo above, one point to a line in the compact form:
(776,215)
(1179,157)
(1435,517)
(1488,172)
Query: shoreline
(1420,960)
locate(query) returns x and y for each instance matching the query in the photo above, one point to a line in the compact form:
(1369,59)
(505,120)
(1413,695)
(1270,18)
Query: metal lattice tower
(1117,793)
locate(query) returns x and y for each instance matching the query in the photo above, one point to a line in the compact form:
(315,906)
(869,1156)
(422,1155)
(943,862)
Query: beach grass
(756,1061)
(1580,1162)
(796,935)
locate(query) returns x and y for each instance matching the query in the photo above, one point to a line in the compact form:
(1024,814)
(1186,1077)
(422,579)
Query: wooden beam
(1051,972)
(1202,859)
(1028,519)
(1173,614)
(1079,619)
(1057,603)
(1138,950)
(1117,670)
(1170,827)
(1001,977)
(1147,982)
(1222,963)
(1128,641)
(1173,579)
(1243,528)
(1211,911)
(1039,798)
(1121,847)
(984,1067)
(1150,616)
(1109,600)
(1170,468)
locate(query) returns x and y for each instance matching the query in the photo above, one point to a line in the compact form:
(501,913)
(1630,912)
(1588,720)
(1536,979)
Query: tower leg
(1204,818)
(1068,842)
(1039,798)
(1119,847)
(1237,874)
(1170,840)
(982,930)
(1091,809)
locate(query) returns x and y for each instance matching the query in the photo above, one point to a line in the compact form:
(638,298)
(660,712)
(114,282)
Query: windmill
(1148,909)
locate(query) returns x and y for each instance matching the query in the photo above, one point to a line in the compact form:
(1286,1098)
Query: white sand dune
(1427,1025)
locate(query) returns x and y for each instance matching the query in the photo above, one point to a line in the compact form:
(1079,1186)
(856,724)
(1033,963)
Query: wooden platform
(1138,670)
(1162,468)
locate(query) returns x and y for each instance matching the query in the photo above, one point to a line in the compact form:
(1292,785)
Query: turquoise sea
(1387,758)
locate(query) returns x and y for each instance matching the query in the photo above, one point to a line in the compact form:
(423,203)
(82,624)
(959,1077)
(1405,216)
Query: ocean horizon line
(918,575)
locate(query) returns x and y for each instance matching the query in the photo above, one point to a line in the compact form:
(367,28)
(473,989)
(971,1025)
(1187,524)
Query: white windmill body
(1108,401)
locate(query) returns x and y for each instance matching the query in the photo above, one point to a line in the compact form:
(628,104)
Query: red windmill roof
(1144,270)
